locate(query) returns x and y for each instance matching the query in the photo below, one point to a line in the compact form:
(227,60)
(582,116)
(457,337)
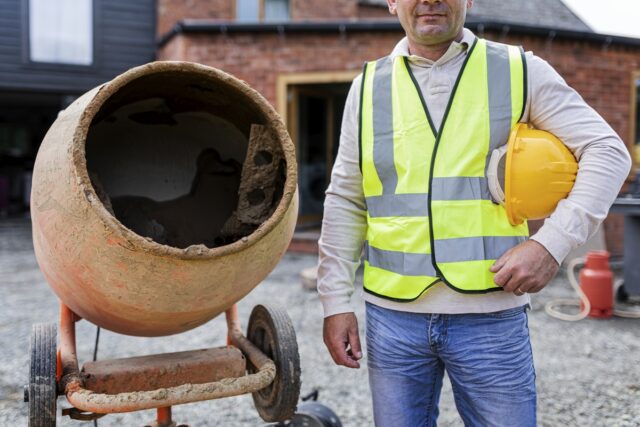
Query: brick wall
(600,73)
(324,9)
(172,11)
(374,12)
(259,59)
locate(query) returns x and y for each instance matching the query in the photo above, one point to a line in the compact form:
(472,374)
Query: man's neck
(432,52)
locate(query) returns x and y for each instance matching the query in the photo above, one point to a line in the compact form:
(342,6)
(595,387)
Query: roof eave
(342,27)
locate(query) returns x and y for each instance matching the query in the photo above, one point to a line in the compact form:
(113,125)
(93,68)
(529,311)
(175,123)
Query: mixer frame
(128,385)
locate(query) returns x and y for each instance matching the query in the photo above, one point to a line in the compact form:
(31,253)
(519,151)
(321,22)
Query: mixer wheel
(270,329)
(42,393)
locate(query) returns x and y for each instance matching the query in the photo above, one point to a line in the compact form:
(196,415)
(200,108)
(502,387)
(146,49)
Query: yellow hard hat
(538,172)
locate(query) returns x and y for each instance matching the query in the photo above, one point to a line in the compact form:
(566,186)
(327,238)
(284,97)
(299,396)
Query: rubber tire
(271,330)
(314,414)
(42,376)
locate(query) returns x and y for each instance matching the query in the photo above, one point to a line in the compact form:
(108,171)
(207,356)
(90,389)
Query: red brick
(172,11)
(374,12)
(324,9)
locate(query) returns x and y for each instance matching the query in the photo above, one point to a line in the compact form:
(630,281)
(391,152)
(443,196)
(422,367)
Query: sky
(615,17)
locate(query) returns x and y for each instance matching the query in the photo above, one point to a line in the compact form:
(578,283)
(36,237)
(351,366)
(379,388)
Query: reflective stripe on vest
(430,217)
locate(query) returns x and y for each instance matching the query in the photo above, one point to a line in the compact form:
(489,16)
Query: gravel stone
(588,372)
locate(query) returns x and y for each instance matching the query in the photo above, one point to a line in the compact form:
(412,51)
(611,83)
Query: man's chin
(433,34)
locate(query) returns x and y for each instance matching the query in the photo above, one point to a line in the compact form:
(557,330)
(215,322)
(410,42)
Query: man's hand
(342,339)
(527,267)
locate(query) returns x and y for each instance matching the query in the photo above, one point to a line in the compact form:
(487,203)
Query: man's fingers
(500,262)
(341,356)
(340,337)
(354,342)
(535,289)
(498,265)
(514,282)
(518,292)
(332,351)
(511,279)
(502,277)
(353,351)
(527,286)
(335,347)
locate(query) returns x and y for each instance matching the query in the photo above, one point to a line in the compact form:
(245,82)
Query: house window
(262,10)
(276,10)
(61,31)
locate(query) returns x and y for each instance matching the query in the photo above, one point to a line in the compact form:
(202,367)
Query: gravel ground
(588,372)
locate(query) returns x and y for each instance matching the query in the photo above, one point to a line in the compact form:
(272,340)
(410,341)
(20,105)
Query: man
(435,248)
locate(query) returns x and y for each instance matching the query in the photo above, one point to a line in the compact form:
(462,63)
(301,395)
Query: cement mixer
(159,200)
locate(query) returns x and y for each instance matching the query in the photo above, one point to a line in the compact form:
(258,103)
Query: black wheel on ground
(314,414)
(42,391)
(270,329)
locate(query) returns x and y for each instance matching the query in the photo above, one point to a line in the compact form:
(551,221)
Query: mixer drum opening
(184,161)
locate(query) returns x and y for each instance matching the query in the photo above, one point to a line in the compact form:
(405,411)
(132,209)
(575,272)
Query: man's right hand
(342,339)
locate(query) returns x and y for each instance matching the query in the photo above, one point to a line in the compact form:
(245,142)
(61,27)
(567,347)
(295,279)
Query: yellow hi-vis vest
(430,217)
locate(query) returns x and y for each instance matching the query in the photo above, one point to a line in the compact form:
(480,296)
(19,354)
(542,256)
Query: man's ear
(392,6)
(469,4)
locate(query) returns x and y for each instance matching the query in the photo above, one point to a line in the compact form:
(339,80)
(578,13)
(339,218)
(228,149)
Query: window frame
(27,62)
(260,12)
(634,126)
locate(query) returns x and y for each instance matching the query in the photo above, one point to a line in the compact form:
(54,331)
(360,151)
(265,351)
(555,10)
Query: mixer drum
(162,197)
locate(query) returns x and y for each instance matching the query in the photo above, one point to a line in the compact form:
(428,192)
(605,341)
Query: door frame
(633,126)
(285,80)
(287,105)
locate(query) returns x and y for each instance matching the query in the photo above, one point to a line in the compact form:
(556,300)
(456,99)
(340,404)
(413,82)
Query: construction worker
(447,278)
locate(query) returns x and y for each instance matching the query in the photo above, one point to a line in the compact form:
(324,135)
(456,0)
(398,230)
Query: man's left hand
(527,267)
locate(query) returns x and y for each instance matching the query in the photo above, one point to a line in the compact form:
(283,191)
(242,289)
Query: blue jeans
(487,357)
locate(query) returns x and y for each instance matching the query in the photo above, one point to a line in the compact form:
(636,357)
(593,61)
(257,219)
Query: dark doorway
(315,120)
(24,120)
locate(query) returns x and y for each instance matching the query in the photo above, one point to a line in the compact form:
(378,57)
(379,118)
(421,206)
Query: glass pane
(61,31)
(276,10)
(247,10)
